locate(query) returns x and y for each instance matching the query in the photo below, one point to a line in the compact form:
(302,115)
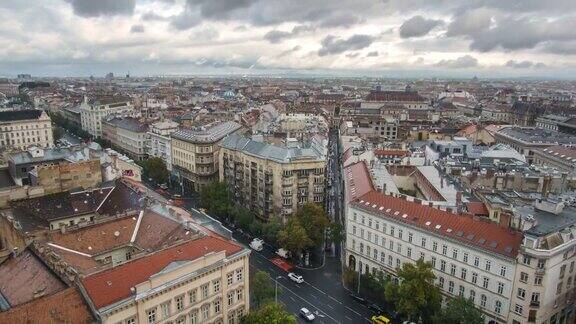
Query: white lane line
(309,303)
(330,306)
(313,296)
(348,318)
(353,311)
(292,298)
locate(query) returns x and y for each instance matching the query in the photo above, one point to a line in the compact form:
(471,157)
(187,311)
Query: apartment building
(270,179)
(126,134)
(158,141)
(526,140)
(408,99)
(199,281)
(93,111)
(545,286)
(24,128)
(195,153)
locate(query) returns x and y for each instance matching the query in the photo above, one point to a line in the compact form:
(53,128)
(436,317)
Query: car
(257,244)
(380,319)
(306,314)
(358,298)
(296,278)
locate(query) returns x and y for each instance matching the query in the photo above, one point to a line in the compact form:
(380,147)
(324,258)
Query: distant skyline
(388,38)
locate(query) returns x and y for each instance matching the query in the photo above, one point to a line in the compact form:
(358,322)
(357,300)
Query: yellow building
(195,154)
(270,179)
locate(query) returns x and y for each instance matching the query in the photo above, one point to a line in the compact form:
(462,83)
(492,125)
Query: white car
(306,314)
(257,244)
(296,278)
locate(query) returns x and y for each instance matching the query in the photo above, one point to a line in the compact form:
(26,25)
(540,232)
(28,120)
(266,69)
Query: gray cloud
(562,48)
(334,45)
(91,8)
(218,9)
(340,20)
(137,29)
(277,36)
(372,54)
(289,51)
(462,62)
(418,26)
(352,55)
(205,34)
(152,16)
(470,22)
(524,64)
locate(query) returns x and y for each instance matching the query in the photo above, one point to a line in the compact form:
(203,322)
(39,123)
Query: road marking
(258,260)
(313,296)
(348,318)
(353,311)
(309,303)
(330,306)
(294,300)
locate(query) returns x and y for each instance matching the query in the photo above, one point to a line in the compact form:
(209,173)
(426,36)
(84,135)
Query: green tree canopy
(313,219)
(155,168)
(460,310)
(271,228)
(415,295)
(263,289)
(216,199)
(270,313)
(335,234)
(293,237)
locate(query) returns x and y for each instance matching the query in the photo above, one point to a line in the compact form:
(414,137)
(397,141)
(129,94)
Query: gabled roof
(113,285)
(15,115)
(481,234)
(358,180)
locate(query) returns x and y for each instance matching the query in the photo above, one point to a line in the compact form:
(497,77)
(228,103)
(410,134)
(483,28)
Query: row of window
(471,295)
(392,231)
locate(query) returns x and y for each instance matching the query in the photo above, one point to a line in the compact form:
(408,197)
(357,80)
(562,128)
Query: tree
(155,168)
(460,310)
(335,234)
(271,228)
(415,295)
(270,313)
(216,199)
(314,221)
(293,237)
(262,288)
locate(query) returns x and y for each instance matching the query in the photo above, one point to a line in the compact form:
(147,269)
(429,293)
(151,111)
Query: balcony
(540,270)
(535,304)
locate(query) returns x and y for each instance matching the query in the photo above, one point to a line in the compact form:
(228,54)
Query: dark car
(358,298)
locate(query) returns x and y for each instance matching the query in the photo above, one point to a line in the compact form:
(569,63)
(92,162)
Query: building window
(444,249)
(497,307)
(131,320)
(500,288)
(474,277)
(205,311)
(526,259)
(441,282)
(217,306)
(433,261)
(165,307)
(434,246)
(194,316)
(451,287)
(523,277)
(521,293)
(463,273)
(204,289)
(488,265)
(239,294)
(455,253)
(461,291)
(152,316)
(472,295)
(410,236)
(422,255)
(465,257)
(453,269)
(541,264)
(485,282)
(397,263)
(230,298)
(503,271)
(538,280)
(442,265)
(400,234)
(216,286)
(409,253)
(483,301)
(399,248)
(518,309)
(230,278)
(423,243)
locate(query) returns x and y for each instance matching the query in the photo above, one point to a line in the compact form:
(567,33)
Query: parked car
(296,278)
(380,319)
(283,253)
(257,244)
(306,314)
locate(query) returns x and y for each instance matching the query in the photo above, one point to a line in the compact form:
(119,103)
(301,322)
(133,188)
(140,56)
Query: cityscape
(250,161)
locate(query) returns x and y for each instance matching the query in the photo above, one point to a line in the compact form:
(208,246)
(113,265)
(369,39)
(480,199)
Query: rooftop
(394,96)
(315,151)
(537,135)
(128,123)
(16,115)
(482,234)
(115,284)
(207,135)
(358,180)
(546,222)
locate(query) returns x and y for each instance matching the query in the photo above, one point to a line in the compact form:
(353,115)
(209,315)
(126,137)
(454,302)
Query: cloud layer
(448,37)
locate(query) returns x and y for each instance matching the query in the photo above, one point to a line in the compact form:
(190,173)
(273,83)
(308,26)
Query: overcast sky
(350,37)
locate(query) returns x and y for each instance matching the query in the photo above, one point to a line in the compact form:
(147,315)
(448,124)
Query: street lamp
(276,289)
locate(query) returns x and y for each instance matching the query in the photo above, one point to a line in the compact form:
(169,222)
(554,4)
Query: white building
(24,128)
(470,257)
(93,111)
(158,142)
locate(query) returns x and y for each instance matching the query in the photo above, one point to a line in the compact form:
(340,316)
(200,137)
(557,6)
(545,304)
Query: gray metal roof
(207,135)
(315,151)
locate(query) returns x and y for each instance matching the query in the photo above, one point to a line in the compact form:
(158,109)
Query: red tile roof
(358,180)
(394,96)
(383,152)
(113,285)
(479,233)
(477,208)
